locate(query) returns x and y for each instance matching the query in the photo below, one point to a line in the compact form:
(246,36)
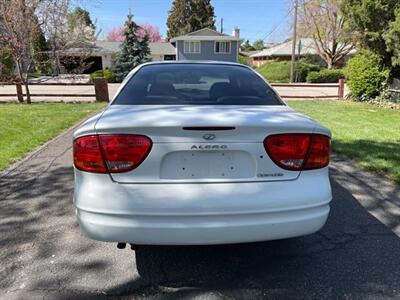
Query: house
(207,44)
(283,51)
(109,50)
(249,53)
(102,53)
(204,44)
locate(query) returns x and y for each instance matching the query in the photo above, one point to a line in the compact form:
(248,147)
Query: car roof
(208,62)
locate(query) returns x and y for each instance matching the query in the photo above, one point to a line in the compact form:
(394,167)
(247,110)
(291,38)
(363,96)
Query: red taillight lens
(87,155)
(123,153)
(318,152)
(298,151)
(110,153)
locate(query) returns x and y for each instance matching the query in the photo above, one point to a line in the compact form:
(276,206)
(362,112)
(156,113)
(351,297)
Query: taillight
(87,155)
(298,151)
(318,153)
(110,153)
(123,153)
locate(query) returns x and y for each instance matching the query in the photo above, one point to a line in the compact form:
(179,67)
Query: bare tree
(21,21)
(53,18)
(69,47)
(18,29)
(326,24)
(78,46)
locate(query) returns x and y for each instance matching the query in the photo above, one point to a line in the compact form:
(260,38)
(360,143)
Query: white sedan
(192,153)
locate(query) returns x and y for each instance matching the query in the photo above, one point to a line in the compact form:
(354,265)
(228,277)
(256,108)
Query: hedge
(277,71)
(106,73)
(325,76)
(303,68)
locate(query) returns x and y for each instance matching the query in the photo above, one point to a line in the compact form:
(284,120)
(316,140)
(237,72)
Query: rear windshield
(196,84)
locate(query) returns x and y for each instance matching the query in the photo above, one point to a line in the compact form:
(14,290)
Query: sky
(257,19)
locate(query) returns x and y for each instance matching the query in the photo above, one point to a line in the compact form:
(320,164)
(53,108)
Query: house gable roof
(205,34)
(285,49)
(158,48)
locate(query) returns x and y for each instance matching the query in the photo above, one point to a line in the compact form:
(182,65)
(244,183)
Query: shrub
(277,71)
(313,59)
(243,60)
(303,68)
(106,73)
(325,76)
(6,64)
(366,75)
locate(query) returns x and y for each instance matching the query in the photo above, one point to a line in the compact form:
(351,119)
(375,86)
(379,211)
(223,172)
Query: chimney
(236,32)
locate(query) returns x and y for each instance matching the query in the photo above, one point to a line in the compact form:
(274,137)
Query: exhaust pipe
(121,245)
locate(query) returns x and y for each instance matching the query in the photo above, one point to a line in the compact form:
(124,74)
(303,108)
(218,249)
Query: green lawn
(25,127)
(276,72)
(367,134)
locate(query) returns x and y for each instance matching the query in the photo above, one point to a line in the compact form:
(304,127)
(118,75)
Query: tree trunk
(28,93)
(329,63)
(20,73)
(26,83)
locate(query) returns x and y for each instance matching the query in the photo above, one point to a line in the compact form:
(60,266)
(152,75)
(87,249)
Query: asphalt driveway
(43,253)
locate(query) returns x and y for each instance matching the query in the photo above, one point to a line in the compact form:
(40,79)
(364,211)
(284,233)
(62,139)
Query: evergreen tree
(201,15)
(177,18)
(39,49)
(77,17)
(190,15)
(246,46)
(258,44)
(133,50)
(392,40)
(370,20)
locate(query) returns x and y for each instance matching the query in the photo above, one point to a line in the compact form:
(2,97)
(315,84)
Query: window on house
(222,47)
(192,47)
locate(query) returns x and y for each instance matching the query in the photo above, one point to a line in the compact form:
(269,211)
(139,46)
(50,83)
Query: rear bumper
(194,214)
(172,230)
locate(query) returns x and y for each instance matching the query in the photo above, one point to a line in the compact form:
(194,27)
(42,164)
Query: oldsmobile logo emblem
(209,136)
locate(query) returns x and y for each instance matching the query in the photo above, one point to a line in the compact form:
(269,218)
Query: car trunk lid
(204,143)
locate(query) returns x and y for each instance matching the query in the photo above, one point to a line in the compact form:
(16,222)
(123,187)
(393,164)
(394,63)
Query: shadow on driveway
(43,252)
(353,256)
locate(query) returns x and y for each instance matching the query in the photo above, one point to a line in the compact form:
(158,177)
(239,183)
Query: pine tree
(133,50)
(40,49)
(177,18)
(247,47)
(79,15)
(190,15)
(201,15)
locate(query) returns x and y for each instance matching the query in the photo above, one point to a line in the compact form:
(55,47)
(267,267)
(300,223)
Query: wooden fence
(339,86)
(101,90)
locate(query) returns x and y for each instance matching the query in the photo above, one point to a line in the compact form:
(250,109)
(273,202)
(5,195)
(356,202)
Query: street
(44,254)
